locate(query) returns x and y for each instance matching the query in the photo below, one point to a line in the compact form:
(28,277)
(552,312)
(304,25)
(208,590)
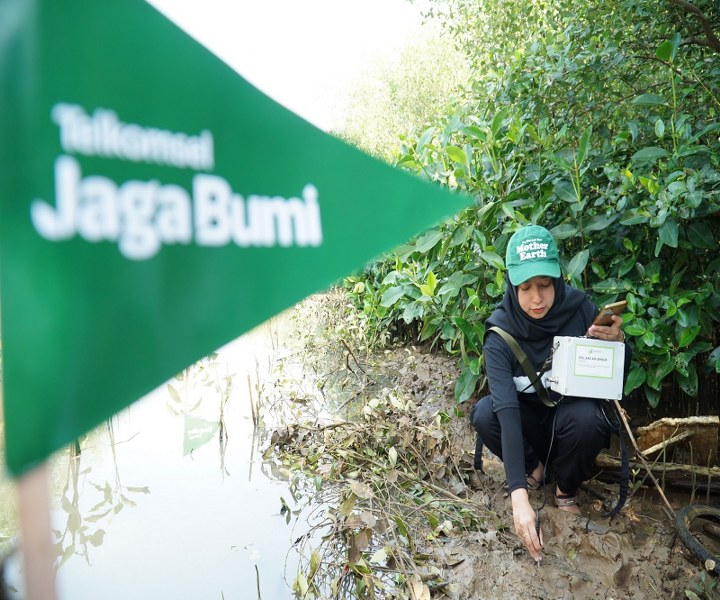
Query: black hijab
(536,335)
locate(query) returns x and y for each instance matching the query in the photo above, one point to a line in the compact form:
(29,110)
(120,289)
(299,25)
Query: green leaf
(689,383)
(600,222)
(402,528)
(653,396)
(413,310)
(668,233)
(507,208)
(392,295)
(565,191)
(564,159)
(315,562)
(498,121)
(700,235)
(688,335)
(425,138)
(475,132)
(564,231)
(493,259)
(686,318)
(578,263)
(714,359)
(660,129)
(635,379)
(665,368)
(633,129)
(429,328)
(635,216)
(465,385)
(649,100)
(456,281)
(428,288)
(428,241)
(668,49)
(584,142)
(649,154)
(473,334)
(301,585)
(664,51)
(635,329)
(648,338)
(610,286)
(709,129)
(626,266)
(456,154)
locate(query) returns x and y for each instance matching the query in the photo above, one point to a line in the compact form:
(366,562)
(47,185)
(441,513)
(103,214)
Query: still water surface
(159,504)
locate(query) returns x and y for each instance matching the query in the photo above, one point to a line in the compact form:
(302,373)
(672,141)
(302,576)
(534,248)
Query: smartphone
(605,315)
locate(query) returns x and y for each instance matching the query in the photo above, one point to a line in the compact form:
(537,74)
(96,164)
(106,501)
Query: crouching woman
(512,421)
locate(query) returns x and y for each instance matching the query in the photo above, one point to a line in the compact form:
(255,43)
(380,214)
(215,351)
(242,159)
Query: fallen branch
(676,474)
(669,442)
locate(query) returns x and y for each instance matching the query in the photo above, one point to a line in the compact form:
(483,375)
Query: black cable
(545,470)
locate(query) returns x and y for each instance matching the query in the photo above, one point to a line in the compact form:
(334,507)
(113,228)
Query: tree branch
(711,38)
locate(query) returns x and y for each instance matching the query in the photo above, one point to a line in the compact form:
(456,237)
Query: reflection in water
(156,504)
(82,532)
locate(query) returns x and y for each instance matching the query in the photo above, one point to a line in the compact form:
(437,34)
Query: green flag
(154,206)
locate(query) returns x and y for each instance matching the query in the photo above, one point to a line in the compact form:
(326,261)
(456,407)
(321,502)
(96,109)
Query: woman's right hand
(525,523)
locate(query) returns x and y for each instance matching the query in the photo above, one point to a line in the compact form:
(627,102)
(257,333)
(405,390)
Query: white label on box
(594,361)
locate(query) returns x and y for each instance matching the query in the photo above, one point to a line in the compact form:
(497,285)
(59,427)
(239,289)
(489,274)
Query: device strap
(526,365)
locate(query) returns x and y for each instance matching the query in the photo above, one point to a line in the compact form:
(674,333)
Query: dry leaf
(361,490)
(368,519)
(418,590)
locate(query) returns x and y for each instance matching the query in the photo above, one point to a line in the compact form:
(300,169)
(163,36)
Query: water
(159,504)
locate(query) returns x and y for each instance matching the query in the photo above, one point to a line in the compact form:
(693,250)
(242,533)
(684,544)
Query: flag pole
(36,544)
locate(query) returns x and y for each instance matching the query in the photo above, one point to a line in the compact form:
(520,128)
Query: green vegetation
(598,120)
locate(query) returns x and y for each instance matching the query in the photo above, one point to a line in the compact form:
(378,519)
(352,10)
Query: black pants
(580,427)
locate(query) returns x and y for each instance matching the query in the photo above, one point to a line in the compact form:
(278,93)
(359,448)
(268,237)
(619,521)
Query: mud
(634,555)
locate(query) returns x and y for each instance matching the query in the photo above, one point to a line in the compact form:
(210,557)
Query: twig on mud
(347,359)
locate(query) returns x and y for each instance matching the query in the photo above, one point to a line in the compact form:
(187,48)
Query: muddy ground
(636,556)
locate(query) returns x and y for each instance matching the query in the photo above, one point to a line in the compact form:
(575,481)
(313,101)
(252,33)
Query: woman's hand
(611,333)
(524,517)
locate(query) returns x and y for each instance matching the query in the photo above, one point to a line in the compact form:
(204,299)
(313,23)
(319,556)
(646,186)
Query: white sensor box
(587,368)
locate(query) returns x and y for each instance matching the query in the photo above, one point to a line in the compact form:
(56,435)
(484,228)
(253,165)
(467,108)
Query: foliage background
(598,120)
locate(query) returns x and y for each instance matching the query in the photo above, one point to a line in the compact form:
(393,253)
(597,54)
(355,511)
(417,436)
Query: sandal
(568,503)
(532,483)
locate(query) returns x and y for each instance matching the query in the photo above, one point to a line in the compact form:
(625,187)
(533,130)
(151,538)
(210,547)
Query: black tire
(683,520)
